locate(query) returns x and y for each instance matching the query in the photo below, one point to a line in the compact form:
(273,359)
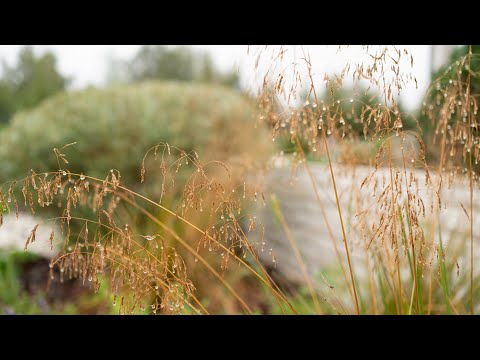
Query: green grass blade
(443,272)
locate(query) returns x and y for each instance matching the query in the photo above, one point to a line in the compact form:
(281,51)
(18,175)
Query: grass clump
(162,254)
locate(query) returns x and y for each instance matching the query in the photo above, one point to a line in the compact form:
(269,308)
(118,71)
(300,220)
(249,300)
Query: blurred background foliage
(115,126)
(24,289)
(440,80)
(168,95)
(162,94)
(160,62)
(28,82)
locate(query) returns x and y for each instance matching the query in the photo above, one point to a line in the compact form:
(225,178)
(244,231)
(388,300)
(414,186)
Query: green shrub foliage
(114,127)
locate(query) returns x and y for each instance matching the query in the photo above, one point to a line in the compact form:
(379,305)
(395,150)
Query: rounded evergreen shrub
(115,126)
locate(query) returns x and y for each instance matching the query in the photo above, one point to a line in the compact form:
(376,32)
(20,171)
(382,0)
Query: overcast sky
(88,64)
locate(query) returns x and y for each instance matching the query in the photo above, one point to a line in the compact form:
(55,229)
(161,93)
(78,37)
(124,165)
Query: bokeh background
(115,102)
